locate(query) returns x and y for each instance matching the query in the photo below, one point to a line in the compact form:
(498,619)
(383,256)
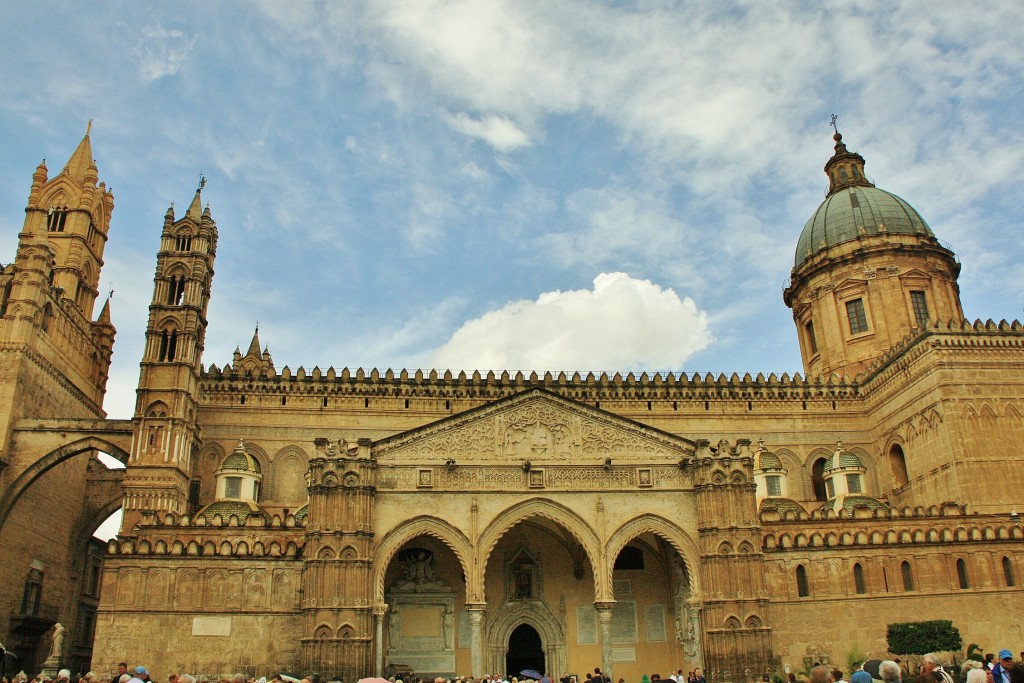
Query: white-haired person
(889,671)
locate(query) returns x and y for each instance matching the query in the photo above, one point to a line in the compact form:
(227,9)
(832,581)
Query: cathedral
(359,522)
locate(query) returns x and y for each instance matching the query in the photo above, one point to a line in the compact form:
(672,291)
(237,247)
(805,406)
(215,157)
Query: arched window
(1008,571)
(172,345)
(818,479)
(858,579)
(802,588)
(908,576)
(32,592)
(961,574)
(898,465)
(176,290)
(56,220)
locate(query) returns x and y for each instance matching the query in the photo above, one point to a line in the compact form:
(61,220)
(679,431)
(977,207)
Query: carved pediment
(536,426)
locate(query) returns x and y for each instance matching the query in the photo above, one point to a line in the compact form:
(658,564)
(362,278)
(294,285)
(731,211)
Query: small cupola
(239,476)
(770,476)
(845,168)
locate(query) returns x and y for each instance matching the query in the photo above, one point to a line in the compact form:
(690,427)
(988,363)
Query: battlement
(171,534)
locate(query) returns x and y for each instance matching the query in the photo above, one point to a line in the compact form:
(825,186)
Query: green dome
(239,460)
(225,508)
(858,210)
(767,460)
(841,460)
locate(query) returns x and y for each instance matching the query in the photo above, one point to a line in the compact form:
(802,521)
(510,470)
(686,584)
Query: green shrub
(922,637)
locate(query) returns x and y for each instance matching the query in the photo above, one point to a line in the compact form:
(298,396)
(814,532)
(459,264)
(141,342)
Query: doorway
(525,651)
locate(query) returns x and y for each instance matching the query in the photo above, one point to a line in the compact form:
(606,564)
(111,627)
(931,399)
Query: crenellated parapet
(862,527)
(169,534)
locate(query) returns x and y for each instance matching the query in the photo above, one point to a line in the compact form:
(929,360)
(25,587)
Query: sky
(520,184)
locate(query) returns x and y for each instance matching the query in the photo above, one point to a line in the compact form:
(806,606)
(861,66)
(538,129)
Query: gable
(537,426)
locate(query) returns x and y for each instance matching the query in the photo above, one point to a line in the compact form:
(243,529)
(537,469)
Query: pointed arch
(389,545)
(659,526)
(557,513)
(14,491)
(538,616)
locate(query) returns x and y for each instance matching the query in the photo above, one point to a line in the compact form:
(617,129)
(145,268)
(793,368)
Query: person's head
(238,678)
(837,675)
(989,658)
(1006,659)
(122,668)
(889,671)
(64,675)
(698,672)
(976,676)
(930,662)
(124,678)
(142,673)
(819,674)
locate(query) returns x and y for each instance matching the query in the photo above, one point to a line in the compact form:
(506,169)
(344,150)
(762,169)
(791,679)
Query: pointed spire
(104,318)
(195,209)
(254,345)
(81,160)
(845,168)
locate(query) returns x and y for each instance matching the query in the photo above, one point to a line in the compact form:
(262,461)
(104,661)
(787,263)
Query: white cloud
(162,52)
(497,131)
(622,323)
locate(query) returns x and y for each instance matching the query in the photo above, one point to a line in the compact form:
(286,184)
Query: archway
(818,479)
(654,570)
(525,651)
(424,587)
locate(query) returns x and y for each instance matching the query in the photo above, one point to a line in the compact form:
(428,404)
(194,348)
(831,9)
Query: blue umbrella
(530,673)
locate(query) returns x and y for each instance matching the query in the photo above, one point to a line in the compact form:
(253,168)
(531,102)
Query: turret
(166,434)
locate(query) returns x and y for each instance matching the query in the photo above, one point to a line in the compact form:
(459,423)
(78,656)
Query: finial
(88,127)
(257,327)
(111,294)
(202,182)
(832,122)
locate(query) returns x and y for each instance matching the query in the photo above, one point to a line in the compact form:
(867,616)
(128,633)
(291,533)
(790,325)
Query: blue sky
(523,184)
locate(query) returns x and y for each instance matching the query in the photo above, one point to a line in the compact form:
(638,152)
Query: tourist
(889,671)
(819,674)
(859,675)
(1006,671)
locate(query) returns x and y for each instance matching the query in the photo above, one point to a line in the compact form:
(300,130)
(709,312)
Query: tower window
(802,588)
(56,220)
(858,318)
(961,574)
(853,483)
(920,306)
(183,243)
(195,487)
(858,579)
(774,485)
(908,576)
(1008,572)
(812,341)
(842,174)
(830,485)
(898,464)
(818,476)
(176,290)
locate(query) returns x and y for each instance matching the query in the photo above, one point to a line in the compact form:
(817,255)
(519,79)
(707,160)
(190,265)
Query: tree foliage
(922,637)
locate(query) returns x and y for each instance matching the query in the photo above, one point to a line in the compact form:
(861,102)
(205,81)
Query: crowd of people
(1001,668)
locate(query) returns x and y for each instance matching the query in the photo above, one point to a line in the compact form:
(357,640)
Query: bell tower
(868,272)
(56,357)
(166,435)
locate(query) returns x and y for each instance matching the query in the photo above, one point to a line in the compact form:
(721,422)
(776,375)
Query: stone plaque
(421,622)
(655,623)
(624,628)
(623,654)
(465,630)
(622,588)
(211,626)
(586,625)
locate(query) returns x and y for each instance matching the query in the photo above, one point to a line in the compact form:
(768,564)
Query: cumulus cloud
(162,52)
(497,131)
(624,322)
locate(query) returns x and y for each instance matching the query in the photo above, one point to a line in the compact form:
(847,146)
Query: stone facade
(361,522)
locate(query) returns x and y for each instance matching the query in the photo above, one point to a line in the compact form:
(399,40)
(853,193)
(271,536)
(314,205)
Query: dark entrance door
(524,651)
